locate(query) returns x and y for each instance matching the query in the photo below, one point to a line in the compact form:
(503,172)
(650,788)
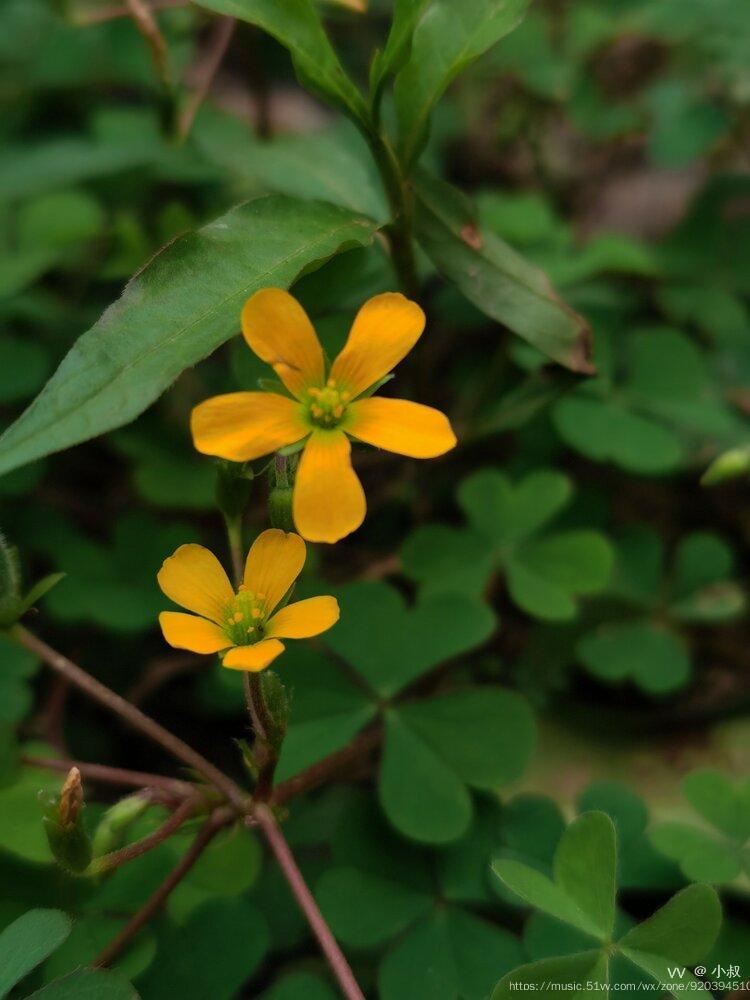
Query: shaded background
(608,141)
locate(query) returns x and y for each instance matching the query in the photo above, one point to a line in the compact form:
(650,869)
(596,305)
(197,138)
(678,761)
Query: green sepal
(371,390)
(38,591)
(292,449)
(70,843)
(273,385)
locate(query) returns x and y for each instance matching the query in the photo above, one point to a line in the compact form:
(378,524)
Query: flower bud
(63,823)
(233,487)
(733,463)
(276,701)
(114,824)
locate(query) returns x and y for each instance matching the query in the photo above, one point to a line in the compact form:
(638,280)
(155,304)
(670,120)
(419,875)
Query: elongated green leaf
(448,38)
(26,943)
(184,304)
(495,278)
(390,60)
(297,26)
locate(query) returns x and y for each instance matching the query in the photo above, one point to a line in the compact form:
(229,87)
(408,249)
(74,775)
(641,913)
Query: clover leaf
(510,528)
(436,945)
(113,585)
(646,643)
(29,940)
(581,892)
(652,419)
(436,749)
(721,853)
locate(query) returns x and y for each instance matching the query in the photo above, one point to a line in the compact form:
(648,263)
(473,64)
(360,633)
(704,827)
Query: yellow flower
(243,623)
(327,408)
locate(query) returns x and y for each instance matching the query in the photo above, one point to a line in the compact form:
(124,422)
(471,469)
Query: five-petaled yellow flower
(325,407)
(243,623)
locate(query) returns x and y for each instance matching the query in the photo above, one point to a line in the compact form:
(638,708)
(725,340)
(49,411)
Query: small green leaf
(655,658)
(297,26)
(583,890)
(391,645)
(683,931)
(447,39)
(725,805)
(420,792)
(700,855)
(27,942)
(497,279)
(450,954)
(586,973)
(391,906)
(91,984)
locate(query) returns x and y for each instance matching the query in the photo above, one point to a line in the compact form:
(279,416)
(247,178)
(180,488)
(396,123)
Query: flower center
(245,618)
(327,405)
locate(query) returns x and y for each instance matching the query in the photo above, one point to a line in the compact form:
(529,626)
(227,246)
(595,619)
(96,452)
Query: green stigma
(327,406)
(245,618)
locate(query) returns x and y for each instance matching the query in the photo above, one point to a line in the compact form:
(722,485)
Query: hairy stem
(108,862)
(328,945)
(132,715)
(220,818)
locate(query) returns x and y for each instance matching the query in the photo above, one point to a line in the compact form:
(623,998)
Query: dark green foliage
(541,632)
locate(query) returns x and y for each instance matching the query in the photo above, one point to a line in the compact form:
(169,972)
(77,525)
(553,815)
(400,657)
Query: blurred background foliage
(562,572)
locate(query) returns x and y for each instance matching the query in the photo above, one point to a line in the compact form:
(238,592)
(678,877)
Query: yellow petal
(304,618)
(401,426)
(329,502)
(273,563)
(196,634)
(194,578)
(384,331)
(276,327)
(241,426)
(255,657)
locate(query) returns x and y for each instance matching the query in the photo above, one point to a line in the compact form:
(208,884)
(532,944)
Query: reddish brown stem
(132,715)
(219,819)
(112,12)
(315,775)
(205,72)
(145,22)
(107,862)
(328,945)
(114,775)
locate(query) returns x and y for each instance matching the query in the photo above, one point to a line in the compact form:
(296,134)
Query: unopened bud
(63,823)
(71,798)
(234,483)
(114,824)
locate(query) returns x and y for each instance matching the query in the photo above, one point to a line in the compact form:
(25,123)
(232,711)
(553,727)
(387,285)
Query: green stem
(234,536)
(400,229)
